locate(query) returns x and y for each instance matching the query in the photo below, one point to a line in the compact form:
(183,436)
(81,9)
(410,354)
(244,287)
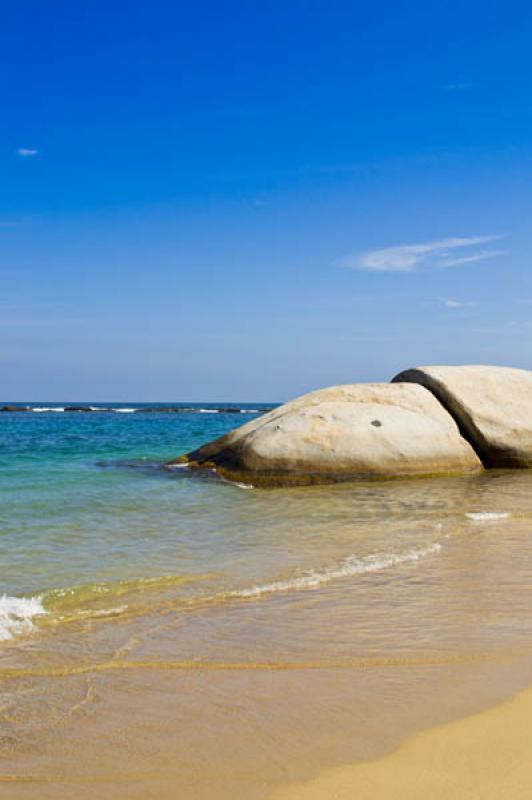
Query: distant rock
(145,409)
(491,405)
(342,432)
(189,410)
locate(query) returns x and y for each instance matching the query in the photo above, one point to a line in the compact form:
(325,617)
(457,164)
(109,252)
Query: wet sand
(329,627)
(483,756)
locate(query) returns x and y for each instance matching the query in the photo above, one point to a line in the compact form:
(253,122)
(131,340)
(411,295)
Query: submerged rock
(342,432)
(491,405)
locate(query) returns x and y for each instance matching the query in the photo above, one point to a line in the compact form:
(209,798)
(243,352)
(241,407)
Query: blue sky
(246,201)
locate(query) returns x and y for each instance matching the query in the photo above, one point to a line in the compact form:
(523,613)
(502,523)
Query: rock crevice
(492,407)
(427,421)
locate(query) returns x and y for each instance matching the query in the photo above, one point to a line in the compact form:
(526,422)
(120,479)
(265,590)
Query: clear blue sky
(246,201)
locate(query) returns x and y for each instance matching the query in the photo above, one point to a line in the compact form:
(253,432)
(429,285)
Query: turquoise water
(92,519)
(158,622)
(85,498)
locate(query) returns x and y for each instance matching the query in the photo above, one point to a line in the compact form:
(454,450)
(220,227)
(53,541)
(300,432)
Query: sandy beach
(236,643)
(483,756)
(266,409)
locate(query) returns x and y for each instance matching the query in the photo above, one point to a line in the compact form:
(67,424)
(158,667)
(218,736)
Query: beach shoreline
(200,640)
(485,755)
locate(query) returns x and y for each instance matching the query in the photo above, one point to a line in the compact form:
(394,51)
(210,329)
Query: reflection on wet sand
(201,693)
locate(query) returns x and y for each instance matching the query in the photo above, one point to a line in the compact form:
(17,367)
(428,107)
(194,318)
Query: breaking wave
(17,614)
(92,600)
(347,568)
(487,516)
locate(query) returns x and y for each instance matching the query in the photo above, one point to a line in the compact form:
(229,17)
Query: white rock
(492,406)
(359,430)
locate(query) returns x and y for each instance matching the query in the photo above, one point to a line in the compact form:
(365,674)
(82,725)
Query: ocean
(169,634)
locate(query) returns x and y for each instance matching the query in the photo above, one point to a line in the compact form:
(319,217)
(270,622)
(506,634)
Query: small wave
(43,408)
(347,568)
(125,410)
(208,411)
(16,615)
(487,516)
(99,613)
(103,599)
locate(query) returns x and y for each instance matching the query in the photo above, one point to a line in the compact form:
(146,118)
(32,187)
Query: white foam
(42,408)
(16,615)
(125,410)
(116,611)
(208,411)
(487,516)
(347,568)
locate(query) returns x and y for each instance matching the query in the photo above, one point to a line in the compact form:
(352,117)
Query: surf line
(12,673)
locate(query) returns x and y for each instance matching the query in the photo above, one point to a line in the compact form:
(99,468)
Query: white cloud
(451,303)
(408,257)
(25,152)
(521,324)
(481,256)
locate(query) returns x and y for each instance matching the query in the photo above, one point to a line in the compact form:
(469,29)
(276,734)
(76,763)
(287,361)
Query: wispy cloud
(526,323)
(25,152)
(452,303)
(461,86)
(409,257)
(481,256)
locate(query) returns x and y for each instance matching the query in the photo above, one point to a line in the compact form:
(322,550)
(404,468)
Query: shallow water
(169,635)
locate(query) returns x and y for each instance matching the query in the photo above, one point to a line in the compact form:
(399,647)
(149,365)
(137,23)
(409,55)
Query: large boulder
(359,430)
(491,405)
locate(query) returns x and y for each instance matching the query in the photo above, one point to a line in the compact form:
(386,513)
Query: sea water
(171,634)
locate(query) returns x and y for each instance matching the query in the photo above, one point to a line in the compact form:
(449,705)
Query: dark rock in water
(188,410)
(148,410)
(167,410)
